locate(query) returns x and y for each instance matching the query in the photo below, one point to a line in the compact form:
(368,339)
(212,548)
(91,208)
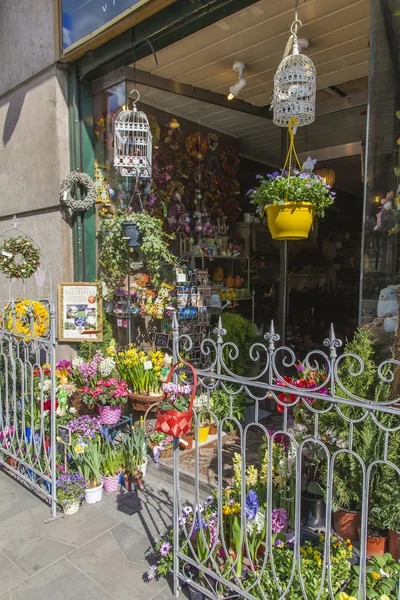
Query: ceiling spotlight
(237,87)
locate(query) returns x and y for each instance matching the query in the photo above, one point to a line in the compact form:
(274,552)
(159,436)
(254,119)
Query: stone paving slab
(96,554)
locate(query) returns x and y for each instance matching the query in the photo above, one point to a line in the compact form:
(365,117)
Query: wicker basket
(76,401)
(167,453)
(142,402)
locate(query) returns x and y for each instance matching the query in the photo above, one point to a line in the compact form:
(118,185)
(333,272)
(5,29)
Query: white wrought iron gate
(27,376)
(217,550)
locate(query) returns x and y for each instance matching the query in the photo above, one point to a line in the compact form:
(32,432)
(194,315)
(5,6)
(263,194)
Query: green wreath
(31,258)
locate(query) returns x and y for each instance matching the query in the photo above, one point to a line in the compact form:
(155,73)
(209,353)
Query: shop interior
(208,151)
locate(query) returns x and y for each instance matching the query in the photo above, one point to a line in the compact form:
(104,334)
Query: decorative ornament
(155,130)
(133,145)
(78,178)
(29,253)
(29,317)
(101,176)
(295,85)
(162,167)
(176,189)
(172,136)
(183,165)
(196,146)
(103,125)
(212,141)
(309,164)
(230,160)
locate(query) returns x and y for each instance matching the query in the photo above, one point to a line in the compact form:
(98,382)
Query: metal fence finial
(14,222)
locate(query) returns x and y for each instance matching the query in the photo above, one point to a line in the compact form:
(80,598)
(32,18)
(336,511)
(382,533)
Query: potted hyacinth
(109,396)
(70,491)
(86,375)
(111,466)
(291,199)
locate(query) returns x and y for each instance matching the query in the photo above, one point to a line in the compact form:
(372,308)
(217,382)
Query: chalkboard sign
(64,435)
(162,340)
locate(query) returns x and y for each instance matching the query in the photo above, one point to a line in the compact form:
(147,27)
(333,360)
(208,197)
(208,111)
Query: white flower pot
(93,495)
(71,509)
(144,466)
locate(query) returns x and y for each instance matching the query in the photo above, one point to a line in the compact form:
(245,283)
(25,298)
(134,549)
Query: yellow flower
(350,548)
(309,550)
(343,596)
(78,449)
(226,510)
(376,575)
(384,597)
(343,553)
(251,476)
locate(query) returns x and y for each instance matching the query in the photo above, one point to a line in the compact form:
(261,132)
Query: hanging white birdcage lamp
(295,85)
(133,143)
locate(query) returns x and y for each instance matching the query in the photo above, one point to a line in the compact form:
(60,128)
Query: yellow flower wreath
(18,321)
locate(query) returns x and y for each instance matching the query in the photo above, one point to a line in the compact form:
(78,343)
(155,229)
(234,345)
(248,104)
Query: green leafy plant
(87,459)
(383,574)
(134,450)
(239,331)
(112,460)
(87,350)
(278,188)
(221,407)
(115,256)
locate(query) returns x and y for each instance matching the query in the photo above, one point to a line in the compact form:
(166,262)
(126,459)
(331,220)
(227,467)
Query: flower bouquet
(176,410)
(109,396)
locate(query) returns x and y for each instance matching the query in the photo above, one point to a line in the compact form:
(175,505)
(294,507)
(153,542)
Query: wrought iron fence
(27,384)
(266,529)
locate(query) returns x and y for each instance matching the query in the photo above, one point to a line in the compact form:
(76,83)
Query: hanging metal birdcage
(133,144)
(295,85)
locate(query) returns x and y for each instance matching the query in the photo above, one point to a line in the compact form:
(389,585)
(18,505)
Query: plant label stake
(64,437)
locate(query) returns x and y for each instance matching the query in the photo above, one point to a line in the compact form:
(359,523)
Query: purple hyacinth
(252,505)
(279,520)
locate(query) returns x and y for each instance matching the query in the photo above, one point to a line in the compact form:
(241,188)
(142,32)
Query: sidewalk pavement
(96,554)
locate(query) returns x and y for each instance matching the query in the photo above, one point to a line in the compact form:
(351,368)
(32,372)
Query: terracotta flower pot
(185,438)
(376,546)
(345,523)
(213,429)
(14,464)
(394,543)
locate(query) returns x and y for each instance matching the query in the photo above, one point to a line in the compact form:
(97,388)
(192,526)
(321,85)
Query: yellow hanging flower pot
(292,197)
(291,221)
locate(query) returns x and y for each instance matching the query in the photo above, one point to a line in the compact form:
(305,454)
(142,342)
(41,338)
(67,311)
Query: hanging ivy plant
(115,257)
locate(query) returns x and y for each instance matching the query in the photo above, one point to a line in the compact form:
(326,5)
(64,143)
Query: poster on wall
(79,312)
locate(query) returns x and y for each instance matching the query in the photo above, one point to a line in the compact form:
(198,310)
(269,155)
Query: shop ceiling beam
(338,104)
(177,21)
(333,152)
(181,89)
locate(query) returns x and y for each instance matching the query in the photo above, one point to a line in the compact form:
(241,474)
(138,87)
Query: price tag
(147,365)
(181,277)
(64,435)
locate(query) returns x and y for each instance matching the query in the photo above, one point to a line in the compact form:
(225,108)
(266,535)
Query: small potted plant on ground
(161,445)
(70,491)
(135,461)
(290,200)
(87,458)
(109,395)
(111,465)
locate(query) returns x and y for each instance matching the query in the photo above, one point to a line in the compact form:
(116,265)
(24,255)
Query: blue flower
(252,505)
(258,176)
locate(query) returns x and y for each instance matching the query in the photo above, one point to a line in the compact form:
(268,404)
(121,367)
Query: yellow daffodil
(78,449)
(384,597)
(376,575)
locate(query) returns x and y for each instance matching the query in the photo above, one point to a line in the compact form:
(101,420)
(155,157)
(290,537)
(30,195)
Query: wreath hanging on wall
(183,165)
(196,146)
(230,160)
(162,167)
(172,137)
(78,178)
(202,177)
(29,317)
(30,254)
(212,141)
